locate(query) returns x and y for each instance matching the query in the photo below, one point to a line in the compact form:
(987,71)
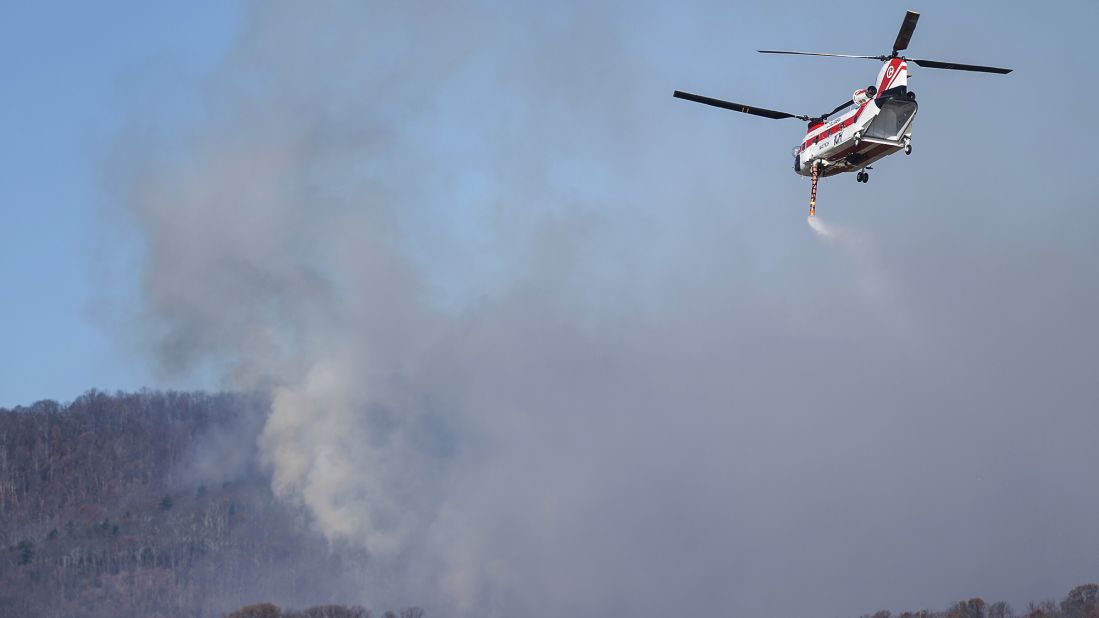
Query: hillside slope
(154,504)
(151,504)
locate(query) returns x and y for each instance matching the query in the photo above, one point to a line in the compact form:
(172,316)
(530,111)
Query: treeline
(151,504)
(1081,602)
(270,610)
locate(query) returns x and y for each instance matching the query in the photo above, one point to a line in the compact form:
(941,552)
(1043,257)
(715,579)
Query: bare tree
(1000,609)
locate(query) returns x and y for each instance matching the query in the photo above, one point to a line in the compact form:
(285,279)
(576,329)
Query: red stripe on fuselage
(810,136)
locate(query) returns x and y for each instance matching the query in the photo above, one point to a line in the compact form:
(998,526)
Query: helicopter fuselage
(879,125)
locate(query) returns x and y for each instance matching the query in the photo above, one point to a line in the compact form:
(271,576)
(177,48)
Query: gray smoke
(531,348)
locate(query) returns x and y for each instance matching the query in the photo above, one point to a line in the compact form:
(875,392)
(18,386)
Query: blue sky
(76,73)
(70,70)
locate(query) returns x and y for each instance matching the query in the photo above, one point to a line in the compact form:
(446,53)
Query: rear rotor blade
(905,34)
(737,107)
(838,108)
(935,64)
(798,53)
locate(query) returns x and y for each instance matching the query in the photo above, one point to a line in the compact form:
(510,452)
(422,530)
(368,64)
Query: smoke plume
(535,364)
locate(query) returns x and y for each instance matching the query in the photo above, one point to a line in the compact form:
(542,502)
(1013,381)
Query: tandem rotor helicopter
(878,124)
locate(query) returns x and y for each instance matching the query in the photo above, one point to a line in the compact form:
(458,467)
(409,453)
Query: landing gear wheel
(860,177)
(908,149)
(911,96)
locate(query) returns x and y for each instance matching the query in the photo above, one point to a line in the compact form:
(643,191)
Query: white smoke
(524,387)
(285,250)
(875,283)
(818,226)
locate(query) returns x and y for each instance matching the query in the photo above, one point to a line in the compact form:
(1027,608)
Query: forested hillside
(151,504)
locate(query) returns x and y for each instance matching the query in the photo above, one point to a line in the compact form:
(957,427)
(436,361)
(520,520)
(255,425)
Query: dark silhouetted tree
(259,610)
(1081,602)
(332,611)
(26,551)
(973,608)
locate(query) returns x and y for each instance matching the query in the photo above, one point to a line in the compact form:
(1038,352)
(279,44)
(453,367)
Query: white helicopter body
(875,123)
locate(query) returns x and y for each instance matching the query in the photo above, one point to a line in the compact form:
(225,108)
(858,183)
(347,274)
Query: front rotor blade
(905,34)
(797,53)
(737,107)
(935,64)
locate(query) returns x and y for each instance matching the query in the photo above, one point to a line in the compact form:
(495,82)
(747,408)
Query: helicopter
(876,122)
